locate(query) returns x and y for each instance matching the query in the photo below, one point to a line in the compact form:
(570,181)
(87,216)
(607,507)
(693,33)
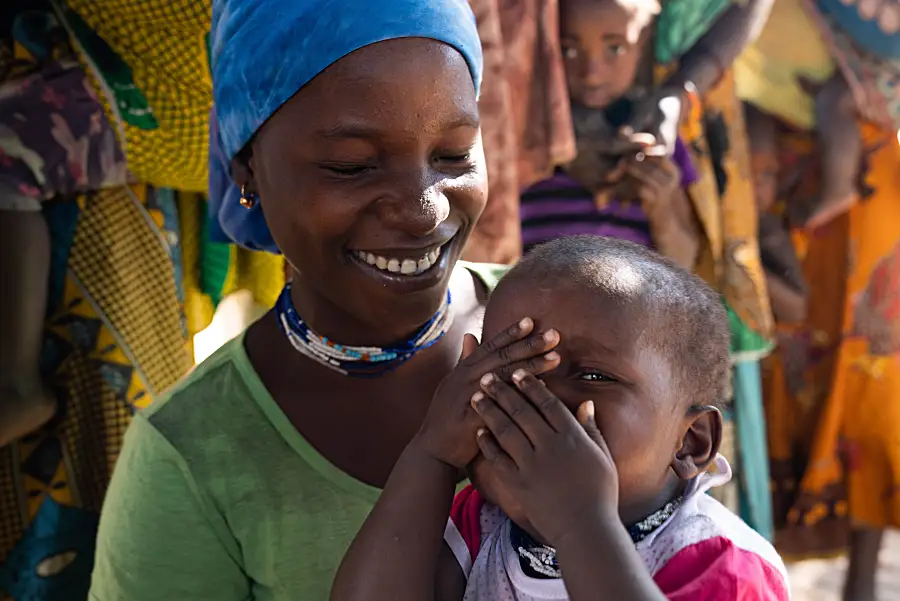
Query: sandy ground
(822,580)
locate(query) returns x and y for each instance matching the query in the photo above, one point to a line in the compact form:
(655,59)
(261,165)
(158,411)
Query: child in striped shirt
(630,187)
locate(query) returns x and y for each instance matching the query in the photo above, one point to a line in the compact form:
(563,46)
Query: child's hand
(558,467)
(659,114)
(656,180)
(448,432)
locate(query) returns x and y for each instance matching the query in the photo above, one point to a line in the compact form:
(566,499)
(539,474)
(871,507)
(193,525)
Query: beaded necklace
(539,560)
(357,361)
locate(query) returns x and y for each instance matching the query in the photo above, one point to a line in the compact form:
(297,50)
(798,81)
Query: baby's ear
(700,443)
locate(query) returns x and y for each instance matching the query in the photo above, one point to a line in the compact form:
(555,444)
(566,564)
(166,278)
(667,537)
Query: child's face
(638,409)
(602,43)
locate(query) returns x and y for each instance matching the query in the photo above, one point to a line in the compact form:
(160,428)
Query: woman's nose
(417,203)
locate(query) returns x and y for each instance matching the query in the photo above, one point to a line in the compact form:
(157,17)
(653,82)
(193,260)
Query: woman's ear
(700,443)
(242,169)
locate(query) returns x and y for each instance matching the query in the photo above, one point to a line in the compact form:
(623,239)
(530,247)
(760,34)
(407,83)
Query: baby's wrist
(600,525)
(423,451)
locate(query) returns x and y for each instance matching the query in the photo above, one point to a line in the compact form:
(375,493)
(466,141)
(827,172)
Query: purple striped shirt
(559,206)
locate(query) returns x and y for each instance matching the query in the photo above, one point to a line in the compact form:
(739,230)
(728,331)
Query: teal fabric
(753,456)
(681,23)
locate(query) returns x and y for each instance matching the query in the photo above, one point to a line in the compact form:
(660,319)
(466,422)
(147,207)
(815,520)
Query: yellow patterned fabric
(163,46)
(768,72)
(114,340)
(260,273)
(724,203)
(163,43)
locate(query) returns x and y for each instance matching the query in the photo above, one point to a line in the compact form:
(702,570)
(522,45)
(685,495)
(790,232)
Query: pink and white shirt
(703,552)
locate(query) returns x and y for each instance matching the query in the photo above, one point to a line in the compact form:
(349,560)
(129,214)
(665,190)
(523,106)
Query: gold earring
(247,201)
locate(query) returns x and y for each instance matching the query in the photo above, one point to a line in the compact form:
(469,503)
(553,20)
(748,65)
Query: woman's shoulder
(217,399)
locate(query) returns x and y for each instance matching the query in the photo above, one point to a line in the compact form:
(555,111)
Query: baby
(624,186)
(599,499)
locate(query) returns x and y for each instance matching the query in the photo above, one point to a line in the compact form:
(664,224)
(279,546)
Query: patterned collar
(539,560)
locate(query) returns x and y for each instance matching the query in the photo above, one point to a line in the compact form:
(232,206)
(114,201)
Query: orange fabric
(833,389)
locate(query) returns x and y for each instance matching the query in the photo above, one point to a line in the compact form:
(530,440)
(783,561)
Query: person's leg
(864,546)
(25,403)
(841,147)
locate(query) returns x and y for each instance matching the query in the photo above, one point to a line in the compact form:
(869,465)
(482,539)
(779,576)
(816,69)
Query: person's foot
(830,204)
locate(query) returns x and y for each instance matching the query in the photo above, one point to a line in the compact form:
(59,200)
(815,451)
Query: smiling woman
(250,479)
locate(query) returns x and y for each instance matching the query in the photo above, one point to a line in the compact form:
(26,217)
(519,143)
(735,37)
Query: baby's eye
(595,376)
(570,53)
(618,49)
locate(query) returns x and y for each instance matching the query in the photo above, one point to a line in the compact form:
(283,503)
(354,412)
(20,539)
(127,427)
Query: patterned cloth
(799,40)
(681,23)
(703,551)
(114,335)
(148,60)
(833,389)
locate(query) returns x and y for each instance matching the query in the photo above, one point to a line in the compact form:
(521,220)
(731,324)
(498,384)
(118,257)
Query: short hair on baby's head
(682,318)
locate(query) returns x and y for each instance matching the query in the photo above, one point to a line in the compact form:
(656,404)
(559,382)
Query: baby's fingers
(587,420)
(505,431)
(548,404)
(501,463)
(513,333)
(531,353)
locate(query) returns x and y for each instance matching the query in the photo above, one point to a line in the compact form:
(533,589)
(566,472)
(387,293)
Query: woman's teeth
(402,266)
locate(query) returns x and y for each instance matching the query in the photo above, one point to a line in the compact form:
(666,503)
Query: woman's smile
(405,270)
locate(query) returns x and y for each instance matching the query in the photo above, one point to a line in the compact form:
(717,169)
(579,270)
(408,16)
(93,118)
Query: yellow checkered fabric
(164,43)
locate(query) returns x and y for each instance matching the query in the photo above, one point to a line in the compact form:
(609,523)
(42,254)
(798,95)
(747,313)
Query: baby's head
(603,42)
(644,339)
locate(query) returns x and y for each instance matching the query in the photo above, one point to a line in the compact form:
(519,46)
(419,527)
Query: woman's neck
(390,325)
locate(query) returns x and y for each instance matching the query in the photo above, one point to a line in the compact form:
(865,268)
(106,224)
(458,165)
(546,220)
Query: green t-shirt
(217,497)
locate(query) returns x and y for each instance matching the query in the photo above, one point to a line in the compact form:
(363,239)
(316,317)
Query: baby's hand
(557,467)
(448,432)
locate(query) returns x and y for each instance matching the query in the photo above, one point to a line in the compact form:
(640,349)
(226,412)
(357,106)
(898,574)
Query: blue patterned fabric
(264,51)
(866,33)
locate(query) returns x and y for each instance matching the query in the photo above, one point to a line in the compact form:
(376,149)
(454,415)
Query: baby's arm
(400,553)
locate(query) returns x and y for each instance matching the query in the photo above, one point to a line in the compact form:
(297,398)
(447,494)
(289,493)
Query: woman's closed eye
(345,170)
(460,157)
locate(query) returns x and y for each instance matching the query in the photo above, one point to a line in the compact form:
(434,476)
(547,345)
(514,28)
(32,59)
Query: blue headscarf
(264,51)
